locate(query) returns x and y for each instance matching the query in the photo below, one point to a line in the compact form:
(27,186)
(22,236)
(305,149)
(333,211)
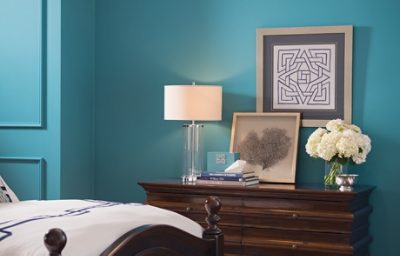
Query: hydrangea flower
(339,141)
(313,141)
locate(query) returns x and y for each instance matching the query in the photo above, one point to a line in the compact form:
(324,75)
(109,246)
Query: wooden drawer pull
(294,246)
(295,215)
(188,209)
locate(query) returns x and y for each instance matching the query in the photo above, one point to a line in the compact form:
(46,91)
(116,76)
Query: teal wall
(54,121)
(142,45)
(46,97)
(77,99)
(29,96)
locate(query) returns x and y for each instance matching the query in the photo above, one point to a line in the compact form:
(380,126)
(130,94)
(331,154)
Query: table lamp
(192,103)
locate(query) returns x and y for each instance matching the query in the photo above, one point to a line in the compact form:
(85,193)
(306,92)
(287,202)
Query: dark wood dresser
(274,219)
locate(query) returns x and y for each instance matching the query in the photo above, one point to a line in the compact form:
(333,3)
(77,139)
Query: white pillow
(7,191)
(4,198)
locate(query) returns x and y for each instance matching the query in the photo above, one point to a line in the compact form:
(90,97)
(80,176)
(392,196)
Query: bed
(91,227)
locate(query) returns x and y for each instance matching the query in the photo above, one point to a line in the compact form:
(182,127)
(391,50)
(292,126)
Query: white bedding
(23,224)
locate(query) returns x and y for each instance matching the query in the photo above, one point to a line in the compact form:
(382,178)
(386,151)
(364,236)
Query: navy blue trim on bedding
(5,230)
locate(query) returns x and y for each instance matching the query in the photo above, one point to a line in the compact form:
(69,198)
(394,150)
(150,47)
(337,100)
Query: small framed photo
(268,143)
(306,70)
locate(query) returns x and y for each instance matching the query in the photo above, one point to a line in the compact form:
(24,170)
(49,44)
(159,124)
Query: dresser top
(260,189)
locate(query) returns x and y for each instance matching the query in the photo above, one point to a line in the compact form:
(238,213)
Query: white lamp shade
(193,102)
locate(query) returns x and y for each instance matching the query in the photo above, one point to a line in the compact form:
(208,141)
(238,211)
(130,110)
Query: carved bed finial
(213,205)
(55,241)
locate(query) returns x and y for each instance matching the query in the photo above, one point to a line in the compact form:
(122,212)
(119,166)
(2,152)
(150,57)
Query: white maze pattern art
(304,76)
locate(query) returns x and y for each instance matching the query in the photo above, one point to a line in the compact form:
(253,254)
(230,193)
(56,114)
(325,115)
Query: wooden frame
(268,142)
(157,239)
(307,70)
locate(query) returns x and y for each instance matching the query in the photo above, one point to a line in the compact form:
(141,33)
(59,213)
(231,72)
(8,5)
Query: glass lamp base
(192,153)
(189,179)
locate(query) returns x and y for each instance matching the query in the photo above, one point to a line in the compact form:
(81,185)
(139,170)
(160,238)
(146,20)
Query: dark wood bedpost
(55,241)
(213,205)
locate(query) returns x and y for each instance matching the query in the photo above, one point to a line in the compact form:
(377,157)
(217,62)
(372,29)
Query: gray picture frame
(335,72)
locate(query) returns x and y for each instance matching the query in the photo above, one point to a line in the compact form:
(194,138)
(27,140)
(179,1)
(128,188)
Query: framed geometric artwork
(306,70)
(268,143)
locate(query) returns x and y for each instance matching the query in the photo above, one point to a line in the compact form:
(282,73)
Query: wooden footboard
(157,239)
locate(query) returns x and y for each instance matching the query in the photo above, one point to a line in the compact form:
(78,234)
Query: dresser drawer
(306,220)
(339,222)
(232,248)
(295,248)
(294,204)
(193,207)
(190,202)
(227,219)
(274,251)
(232,234)
(295,220)
(263,234)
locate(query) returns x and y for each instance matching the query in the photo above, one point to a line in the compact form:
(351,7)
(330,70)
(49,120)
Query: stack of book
(227,178)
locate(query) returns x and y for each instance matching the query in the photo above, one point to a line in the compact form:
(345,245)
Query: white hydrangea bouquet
(338,144)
